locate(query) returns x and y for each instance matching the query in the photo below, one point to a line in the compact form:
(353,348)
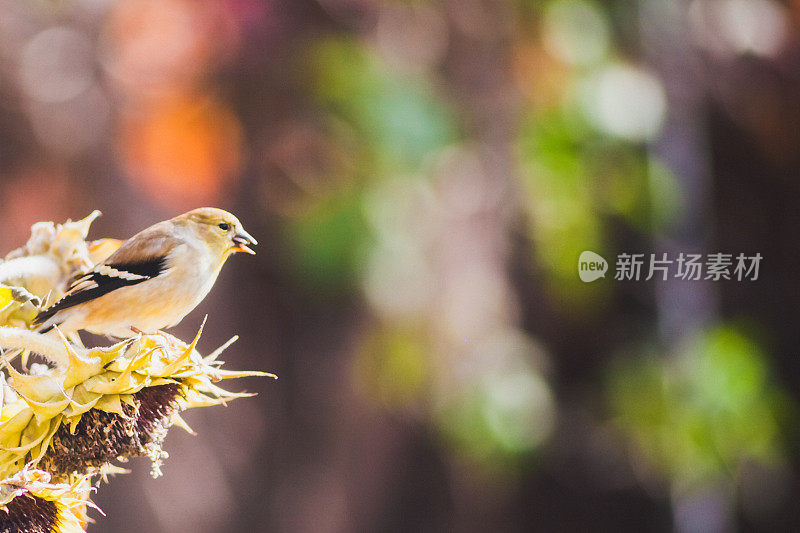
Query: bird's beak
(241,241)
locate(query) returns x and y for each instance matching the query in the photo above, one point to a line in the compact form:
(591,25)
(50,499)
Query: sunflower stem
(28,267)
(50,348)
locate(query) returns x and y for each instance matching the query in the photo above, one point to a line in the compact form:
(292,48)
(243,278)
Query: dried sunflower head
(64,421)
(52,255)
(103,404)
(31,503)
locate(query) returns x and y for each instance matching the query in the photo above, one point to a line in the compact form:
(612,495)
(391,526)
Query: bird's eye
(224,226)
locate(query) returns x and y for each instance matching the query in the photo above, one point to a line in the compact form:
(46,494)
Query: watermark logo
(683,266)
(591,266)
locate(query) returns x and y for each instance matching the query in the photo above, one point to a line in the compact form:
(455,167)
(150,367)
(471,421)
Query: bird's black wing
(102,279)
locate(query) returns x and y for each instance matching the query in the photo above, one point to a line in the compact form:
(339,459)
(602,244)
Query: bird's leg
(172,340)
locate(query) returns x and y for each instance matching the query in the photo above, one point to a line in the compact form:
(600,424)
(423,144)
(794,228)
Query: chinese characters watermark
(690,267)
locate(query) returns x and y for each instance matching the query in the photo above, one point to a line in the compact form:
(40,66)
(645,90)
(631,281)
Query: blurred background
(422,177)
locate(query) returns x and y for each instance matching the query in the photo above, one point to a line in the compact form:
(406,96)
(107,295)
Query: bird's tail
(46,319)
(44,328)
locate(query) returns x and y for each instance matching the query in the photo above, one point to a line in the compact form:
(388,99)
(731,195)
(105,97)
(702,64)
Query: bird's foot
(172,340)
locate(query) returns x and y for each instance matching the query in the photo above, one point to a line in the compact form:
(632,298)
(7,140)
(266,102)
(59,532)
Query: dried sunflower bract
(70,419)
(102,404)
(30,502)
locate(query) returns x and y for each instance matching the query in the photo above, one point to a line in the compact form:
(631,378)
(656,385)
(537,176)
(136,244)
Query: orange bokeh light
(183,152)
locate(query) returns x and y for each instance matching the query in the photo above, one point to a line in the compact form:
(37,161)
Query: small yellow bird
(153,280)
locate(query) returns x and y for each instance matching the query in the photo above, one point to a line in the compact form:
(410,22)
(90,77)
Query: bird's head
(219,229)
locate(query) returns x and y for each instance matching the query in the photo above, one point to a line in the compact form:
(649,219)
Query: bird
(152,280)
